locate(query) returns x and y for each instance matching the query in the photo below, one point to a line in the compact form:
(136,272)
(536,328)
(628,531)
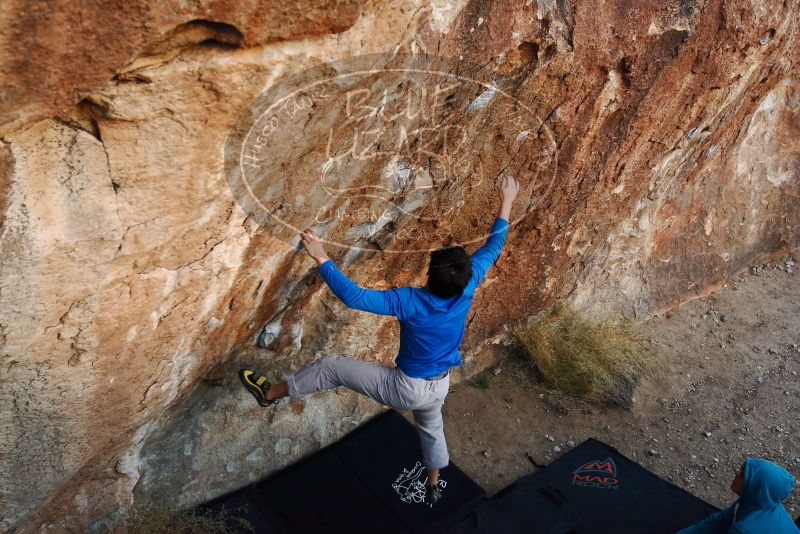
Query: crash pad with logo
(591,489)
(370,481)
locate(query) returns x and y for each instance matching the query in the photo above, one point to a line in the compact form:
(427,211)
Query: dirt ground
(728,387)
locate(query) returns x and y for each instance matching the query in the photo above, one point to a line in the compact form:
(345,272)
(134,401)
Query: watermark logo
(410,484)
(399,153)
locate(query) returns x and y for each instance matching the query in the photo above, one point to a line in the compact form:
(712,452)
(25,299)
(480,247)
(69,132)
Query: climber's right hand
(509,188)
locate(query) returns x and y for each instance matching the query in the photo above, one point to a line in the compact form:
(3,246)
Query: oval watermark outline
(541,126)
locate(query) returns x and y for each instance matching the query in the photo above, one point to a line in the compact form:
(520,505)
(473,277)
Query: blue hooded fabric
(758,510)
(431,327)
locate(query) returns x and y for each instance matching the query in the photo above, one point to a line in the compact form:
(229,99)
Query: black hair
(449,271)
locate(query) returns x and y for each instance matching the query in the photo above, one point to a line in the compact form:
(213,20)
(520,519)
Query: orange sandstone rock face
(659,151)
(57,52)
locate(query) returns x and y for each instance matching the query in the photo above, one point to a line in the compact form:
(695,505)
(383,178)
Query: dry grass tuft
(482,381)
(152,518)
(598,361)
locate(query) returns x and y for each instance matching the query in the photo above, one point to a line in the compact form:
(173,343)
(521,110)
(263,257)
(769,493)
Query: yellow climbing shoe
(257,385)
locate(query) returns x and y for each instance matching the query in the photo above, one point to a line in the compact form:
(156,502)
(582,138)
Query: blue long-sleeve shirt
(431,327)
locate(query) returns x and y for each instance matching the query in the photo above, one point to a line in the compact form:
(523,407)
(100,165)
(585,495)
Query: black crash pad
(591,489)
(322,492)
(369,481)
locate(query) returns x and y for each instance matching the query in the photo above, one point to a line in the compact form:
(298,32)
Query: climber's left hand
(313,246)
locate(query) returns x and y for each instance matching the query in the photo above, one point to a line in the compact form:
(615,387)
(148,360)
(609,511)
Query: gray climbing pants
(390,387)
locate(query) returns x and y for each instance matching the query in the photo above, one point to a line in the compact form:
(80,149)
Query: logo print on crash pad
(410,484)
(597,474)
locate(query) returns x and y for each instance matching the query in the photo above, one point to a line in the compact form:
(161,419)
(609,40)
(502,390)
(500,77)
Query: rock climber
(431,329)
(761,486)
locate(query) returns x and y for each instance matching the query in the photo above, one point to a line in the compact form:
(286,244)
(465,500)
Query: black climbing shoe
(257,385)
(433,494)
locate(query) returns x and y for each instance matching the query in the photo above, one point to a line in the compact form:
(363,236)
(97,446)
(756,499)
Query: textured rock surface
(56,52)
(129,272)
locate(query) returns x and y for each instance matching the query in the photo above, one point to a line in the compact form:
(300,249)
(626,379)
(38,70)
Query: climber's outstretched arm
(394,302)
(485,256)
(398,302)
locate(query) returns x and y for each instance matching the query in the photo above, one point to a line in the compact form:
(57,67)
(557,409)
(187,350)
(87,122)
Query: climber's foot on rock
(257,385)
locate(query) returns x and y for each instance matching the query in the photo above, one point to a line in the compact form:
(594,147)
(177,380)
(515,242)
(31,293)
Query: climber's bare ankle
(277,390)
